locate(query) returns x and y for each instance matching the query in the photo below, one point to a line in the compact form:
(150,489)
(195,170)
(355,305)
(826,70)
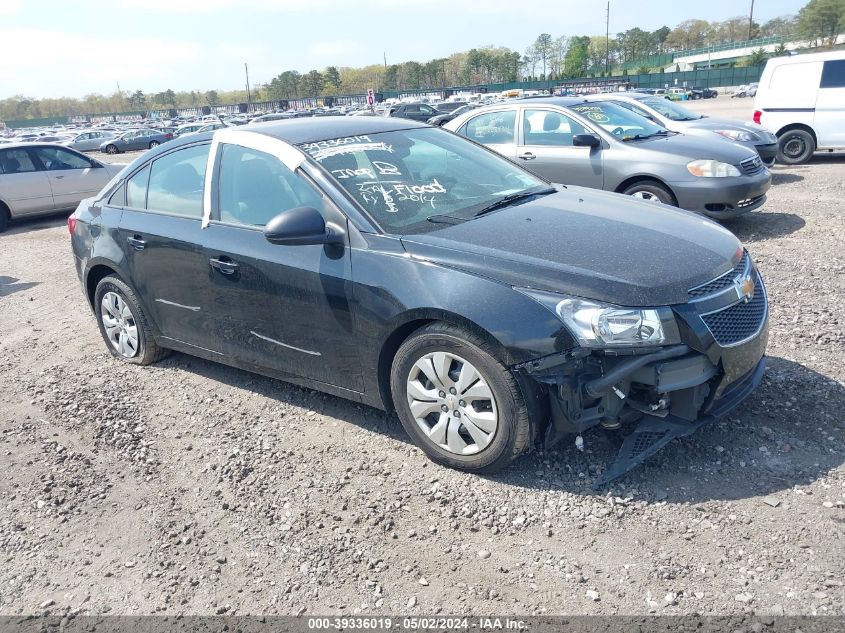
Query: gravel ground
(190,487)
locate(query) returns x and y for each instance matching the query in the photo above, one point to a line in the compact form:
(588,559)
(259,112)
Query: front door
(286,308)
(161,235)
(546,148)
(72,176)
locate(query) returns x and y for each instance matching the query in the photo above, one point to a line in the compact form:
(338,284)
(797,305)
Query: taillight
(71,223)
(757,115)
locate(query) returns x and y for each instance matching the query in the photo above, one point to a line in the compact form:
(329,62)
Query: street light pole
(750,19)
(607,41)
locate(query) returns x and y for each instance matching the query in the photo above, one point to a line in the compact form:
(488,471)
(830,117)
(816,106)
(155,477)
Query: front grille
(739,321)
(751,166)
(720,283)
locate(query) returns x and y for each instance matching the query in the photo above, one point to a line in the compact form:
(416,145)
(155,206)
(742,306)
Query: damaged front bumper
(664,393)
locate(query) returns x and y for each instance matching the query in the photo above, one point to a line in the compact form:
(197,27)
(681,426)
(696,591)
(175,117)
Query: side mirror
(300,226)
(586,140)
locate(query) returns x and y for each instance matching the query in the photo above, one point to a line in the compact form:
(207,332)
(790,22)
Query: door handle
(527,156)
(224,266)
(136,242)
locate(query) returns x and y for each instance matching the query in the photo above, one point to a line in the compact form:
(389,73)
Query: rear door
(24,186)
(545,146)
(72,176)
(830,105)
(496,130)
(161,234)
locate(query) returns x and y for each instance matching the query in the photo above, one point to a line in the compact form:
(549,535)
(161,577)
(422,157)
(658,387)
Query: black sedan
(445,117)
(402,266)
(135,140)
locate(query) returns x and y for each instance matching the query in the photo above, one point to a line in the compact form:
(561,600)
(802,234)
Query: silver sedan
(89,141)
(39,178)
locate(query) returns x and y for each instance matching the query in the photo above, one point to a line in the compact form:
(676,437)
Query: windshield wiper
(511,198)
(639,137)
(445,219)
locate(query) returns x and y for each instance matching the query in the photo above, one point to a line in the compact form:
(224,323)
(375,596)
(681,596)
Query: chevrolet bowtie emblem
(745,290)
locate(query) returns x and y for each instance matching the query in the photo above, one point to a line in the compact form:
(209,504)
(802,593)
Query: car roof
(309,130)
(564,102)
(25,144)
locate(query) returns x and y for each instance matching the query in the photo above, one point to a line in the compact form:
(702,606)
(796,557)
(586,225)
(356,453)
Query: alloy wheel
(452,403)
(646,195)
(119,324)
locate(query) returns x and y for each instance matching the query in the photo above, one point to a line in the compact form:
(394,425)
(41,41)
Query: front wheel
(123,324)
(111,149)
(652,192)
(795,147)
(154,144)
(457,401)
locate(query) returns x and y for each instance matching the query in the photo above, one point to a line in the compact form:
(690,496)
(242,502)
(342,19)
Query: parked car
(441,119)
(743,91)
(361,257)
(802,100)
(677,94)
(413,111)
(703,93)
(38,178)
(605,146)
(677,118)
(446,107)
(89,140)
(134,140)
(188,128)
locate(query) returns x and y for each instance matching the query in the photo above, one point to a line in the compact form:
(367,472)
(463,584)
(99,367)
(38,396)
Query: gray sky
(72,48)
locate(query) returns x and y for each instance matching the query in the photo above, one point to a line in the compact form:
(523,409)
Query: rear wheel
(123,324)
(795,147)
(651,191)
(457,401)
(5,216)
(111,149)
(154,144)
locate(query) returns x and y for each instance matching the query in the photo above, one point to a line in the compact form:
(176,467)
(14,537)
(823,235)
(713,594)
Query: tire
(154,144)
(651,191)
(145,350)
(112,149)
(795,147)
(5,216)
(509,434)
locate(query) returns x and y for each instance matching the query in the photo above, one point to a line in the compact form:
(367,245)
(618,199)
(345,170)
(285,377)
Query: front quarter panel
(392,289)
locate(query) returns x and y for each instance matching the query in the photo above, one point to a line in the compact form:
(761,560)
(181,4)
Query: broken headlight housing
(602,325)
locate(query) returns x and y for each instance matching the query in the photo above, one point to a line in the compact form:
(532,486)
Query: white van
(802,100)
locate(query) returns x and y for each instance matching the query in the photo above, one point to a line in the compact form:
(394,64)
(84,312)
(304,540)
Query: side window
(833,74)
(546,127)
(55,159)
(16,161)
(176,182)
(136,189)
(118,198)
(426,110)
(495,127)
(255,187)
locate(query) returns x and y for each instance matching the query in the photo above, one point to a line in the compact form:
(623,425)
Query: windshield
(670,109)
(413,181)
(620,122)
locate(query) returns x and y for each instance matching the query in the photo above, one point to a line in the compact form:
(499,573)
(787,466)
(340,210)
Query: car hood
(717,123)
(688,147)
(590,244)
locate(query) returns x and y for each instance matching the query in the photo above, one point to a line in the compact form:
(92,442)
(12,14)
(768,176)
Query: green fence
(53,120)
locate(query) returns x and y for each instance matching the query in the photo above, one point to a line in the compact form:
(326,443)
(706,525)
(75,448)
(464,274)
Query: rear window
(833,74)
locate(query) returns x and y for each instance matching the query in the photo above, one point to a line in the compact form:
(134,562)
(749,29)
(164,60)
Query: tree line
(547,57)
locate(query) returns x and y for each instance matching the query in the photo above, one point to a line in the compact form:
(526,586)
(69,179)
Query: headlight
(601,325)
(712,169)
(738,135)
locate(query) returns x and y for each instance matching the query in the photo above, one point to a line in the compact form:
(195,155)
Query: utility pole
(751,19)
(385,61)
(248,95)
(607,41)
